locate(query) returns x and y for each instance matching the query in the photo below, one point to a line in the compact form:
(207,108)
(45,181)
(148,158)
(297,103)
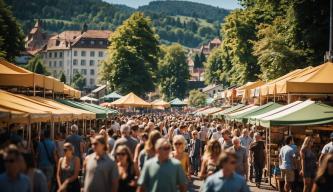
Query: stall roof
(113,95)
(131,100)
(209,111)
(100,114)
(254,119)
(229,110)
(160,104)
(111,111)
(177,102)
(243,118)
(232,116)
(305,114)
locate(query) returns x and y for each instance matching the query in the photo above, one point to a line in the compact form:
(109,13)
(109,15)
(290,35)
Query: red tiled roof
(97,34)
(216,41)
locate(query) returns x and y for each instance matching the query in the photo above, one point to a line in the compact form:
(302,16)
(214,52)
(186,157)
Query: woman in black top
(128,172)
(324,179)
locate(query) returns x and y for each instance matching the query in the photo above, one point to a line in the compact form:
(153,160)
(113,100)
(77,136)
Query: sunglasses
(194,134)
(95,143)
(178,143)
(120,154)
(165,148)
(233,162)
(9,160)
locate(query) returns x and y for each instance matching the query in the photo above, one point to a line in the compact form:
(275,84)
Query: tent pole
(52,130)
(289,98)
(269,152)
(29,135)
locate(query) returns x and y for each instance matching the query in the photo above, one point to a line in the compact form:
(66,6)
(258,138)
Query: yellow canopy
(8,115)
(33,107)
(77,113)
(270,87)
(160,104)
(130,100)
(245,90)
(314,81)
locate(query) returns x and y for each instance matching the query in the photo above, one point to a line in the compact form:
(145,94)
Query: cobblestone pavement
(196,184)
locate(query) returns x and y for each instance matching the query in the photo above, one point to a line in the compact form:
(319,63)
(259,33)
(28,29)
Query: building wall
(85,61)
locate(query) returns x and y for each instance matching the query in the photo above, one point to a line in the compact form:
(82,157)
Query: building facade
(72,52)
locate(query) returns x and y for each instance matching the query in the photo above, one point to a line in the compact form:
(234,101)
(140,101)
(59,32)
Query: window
(55,54)
(60,54)
(60,63)
(75,71)
(84,71)
(92,62)
(82,42)
(101,42)
(92,53)
(75,53)
(92,42)
(50,63)
(83,62)
(100,53)
(92,81)
(83,53)
(74,61)
(50,55)
(92,72)
(54,63)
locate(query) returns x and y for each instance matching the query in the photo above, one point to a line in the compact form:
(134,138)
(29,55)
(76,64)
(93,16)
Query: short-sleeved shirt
(241,154)
(245,141)
(166,176)
(45,150)
(225,144)
(328,148)
(129,141)
(100,173)
(22,184)
(216,135)
(217,182)
(203,134)
(287,155)
(75,140)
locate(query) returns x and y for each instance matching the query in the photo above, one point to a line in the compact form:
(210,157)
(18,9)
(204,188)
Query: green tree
(11,36)
(197,98)
(197,61)
(214,68)
(202,59)
(131,63)
(78,81)
(35,65)
(173,72)
(63,77)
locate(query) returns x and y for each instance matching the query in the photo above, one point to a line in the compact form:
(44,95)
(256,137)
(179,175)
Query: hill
(175,21)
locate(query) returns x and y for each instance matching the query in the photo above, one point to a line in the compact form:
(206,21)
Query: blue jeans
(195,161)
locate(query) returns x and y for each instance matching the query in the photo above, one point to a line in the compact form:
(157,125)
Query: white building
(72,52)
(212,89)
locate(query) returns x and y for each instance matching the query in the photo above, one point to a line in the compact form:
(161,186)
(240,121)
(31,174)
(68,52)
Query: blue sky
(228,4)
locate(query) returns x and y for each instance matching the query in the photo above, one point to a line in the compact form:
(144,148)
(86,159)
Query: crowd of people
(155,153)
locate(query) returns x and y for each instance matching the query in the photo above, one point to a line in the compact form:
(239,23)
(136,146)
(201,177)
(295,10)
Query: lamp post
(329,53)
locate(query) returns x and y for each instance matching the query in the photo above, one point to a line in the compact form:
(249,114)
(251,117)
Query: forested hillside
(175,21)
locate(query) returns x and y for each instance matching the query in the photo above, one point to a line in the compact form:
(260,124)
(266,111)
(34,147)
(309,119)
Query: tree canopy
(197,98)
(78,81)
(35,65)
(173,72)
(132,59)
(11,36)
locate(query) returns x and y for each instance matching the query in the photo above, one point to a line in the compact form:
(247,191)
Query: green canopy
(100,114)
(247,109)
(112,111)
(177,102)
(305,114)
(229,110)
(243,118)
(112,96)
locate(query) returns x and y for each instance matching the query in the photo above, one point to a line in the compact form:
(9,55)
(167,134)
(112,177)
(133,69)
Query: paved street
(196,184)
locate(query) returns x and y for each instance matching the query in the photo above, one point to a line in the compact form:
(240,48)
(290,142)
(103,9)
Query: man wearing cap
(328,148)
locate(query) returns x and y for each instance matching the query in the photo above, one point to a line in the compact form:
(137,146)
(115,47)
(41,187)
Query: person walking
(287,159)
(12,180)
(195,152)
(225,140)
(128,172)
(245,139)
(68,170)
(324,178)
(179,153)
(76,140)
(126,139)
(101,172)
(257,157)
(241,154)
(328,148)
(226,179)
(47,157)
(162,173)
(308,164)
(149,149)
(210,158)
